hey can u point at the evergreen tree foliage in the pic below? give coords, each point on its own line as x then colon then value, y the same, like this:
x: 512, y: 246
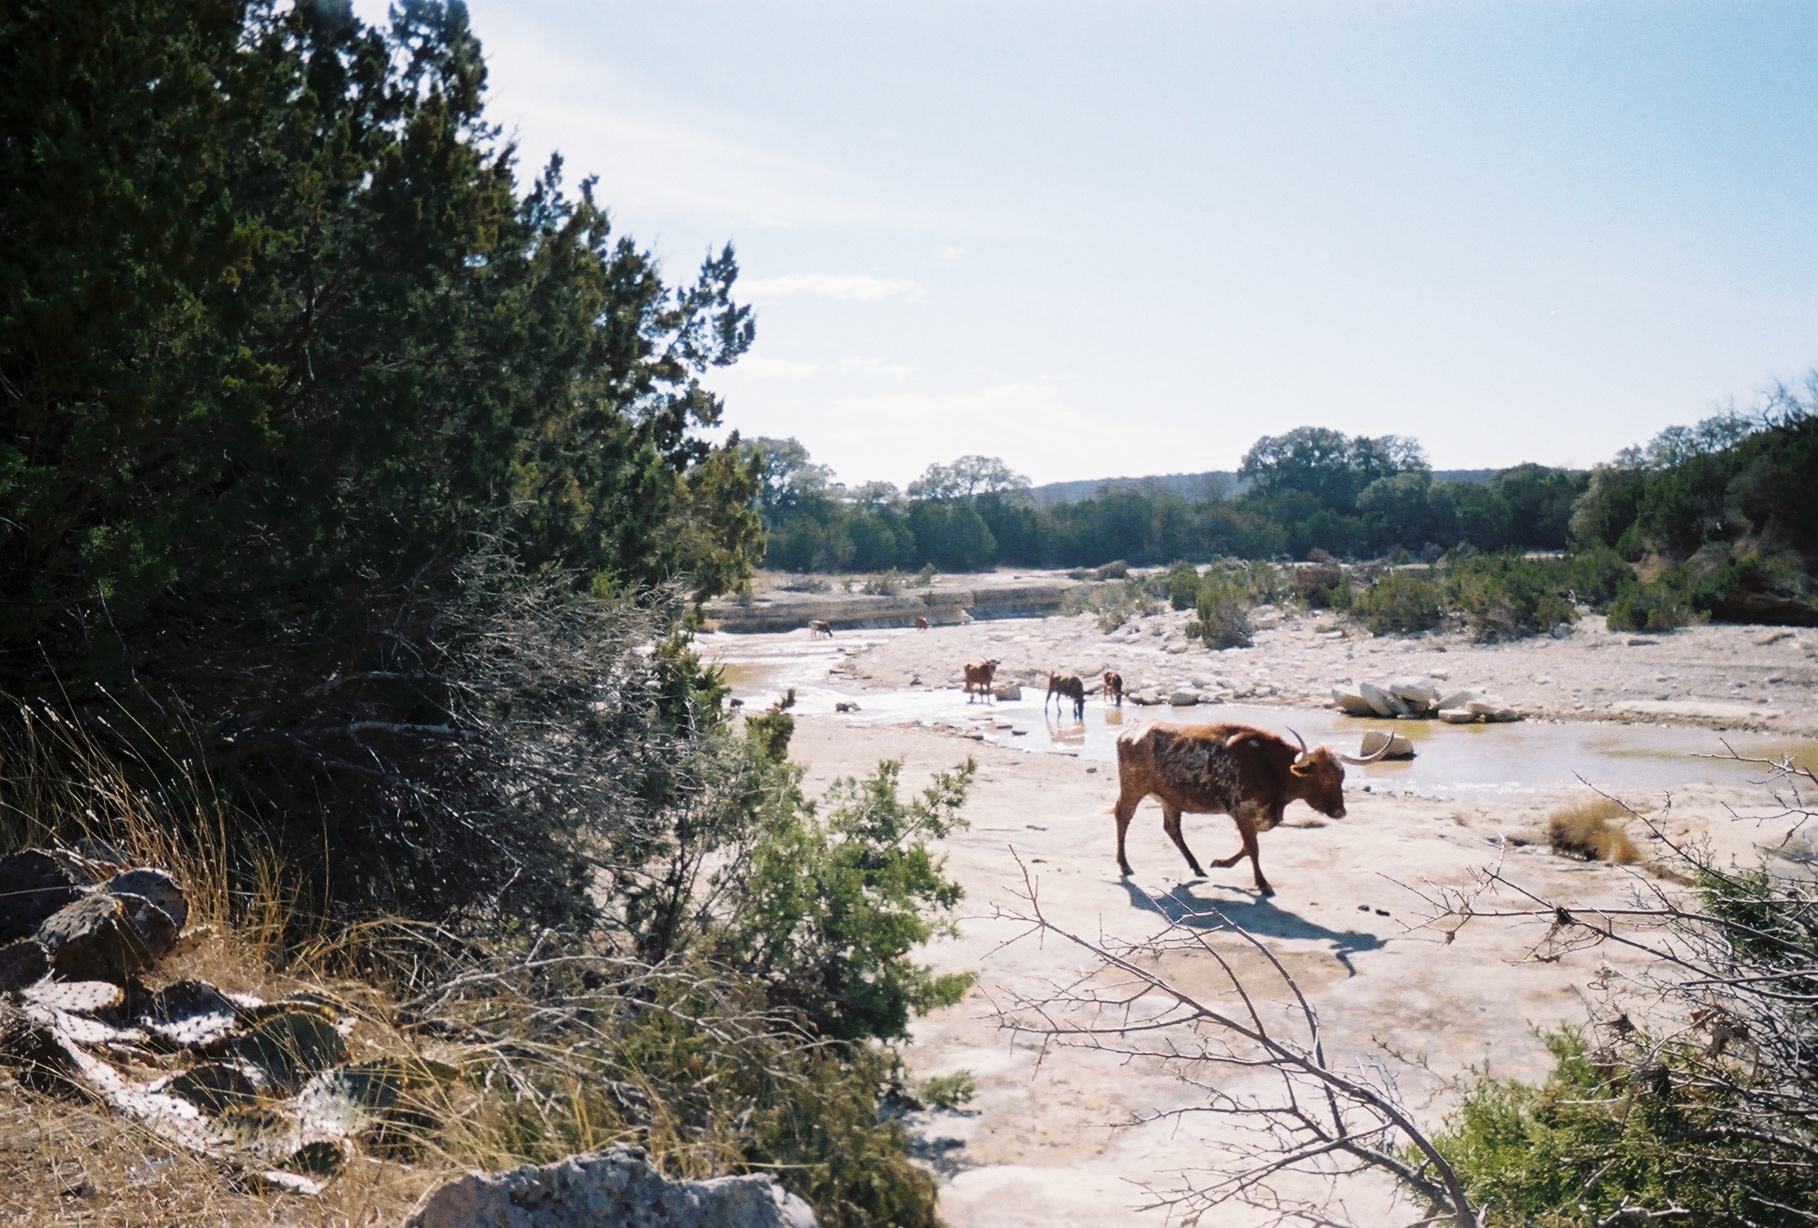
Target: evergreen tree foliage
x: 281, y: 348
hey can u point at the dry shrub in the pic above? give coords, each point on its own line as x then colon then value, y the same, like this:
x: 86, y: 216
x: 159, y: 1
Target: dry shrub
x: 1589, y: 831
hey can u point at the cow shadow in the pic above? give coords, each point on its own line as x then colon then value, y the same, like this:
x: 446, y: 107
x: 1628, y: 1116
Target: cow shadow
x: 1256, y: 915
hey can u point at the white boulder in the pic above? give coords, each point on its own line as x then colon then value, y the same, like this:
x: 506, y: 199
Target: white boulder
x: 617, y: 1187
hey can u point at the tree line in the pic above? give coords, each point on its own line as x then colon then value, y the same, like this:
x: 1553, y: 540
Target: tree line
x: 1309, y: 489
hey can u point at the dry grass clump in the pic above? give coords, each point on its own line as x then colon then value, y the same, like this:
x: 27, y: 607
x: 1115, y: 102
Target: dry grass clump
x: 1589, y: 830
x: 65, y: 1156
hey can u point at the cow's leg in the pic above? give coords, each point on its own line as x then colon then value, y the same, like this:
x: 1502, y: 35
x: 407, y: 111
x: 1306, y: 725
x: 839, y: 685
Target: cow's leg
x: 1124, y: 810
x: 1250, y: 847
x: 1246, y: 827
x: 1171, y: 825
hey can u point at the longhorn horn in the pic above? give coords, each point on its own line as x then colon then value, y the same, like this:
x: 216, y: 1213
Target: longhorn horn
x: 1370, y: 758
x: 1305, y: 754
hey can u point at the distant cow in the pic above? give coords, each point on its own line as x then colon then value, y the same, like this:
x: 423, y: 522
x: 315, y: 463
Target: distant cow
x: 978, y: 678
x: 921, y: 624
x: 820, y: 627
x: 1114, y: 687
x: 1070, y: 687
x: 1246, y: 773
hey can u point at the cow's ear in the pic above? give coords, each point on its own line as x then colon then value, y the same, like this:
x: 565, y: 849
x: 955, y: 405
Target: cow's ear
x: 1299, y: 768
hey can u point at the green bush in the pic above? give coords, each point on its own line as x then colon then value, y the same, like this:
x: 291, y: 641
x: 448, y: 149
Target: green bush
x: 885, y: 584
x: 1342, y: 596
x: 949, y: 1091
x: 1402, y: 601
x: 1268, y: 583
x: 1507, y: 595
x: 1573, y: 1151
x: 1594, y: 574
x: 1315, y: 580
x: 1183, y: 586
x: 1115, y: 604
x: 1703, y: 1111
x: 832, y: 908
x: 1223, y: 609
x: 1653, y: 605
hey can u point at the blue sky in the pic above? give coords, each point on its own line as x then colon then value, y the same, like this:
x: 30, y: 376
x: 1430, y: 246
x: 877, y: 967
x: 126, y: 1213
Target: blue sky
x: 1123, y: 238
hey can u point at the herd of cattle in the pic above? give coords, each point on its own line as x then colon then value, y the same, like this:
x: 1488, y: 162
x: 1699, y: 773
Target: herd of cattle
x: 1237, y: 770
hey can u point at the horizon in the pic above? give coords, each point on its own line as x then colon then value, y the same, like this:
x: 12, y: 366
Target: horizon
x: 1123, y: 241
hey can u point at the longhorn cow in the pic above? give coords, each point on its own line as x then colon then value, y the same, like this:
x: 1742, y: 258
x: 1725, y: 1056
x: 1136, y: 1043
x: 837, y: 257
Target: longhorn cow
x: 1249, y: 774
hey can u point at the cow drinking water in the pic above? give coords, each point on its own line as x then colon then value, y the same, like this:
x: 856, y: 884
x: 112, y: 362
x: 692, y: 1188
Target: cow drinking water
x: 1114, y: 687
x: 1247, y: 773
x: 1068, y: 686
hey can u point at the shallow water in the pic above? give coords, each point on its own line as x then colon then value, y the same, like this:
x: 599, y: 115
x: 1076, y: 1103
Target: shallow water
x: 1450, y: 760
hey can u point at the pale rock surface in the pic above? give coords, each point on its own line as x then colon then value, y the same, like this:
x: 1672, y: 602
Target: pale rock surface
x: 617, y: 1187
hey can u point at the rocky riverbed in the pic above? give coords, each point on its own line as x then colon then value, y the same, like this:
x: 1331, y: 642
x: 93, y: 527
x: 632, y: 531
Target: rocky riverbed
x: 1071, y: 1137
x: 1721, y: 676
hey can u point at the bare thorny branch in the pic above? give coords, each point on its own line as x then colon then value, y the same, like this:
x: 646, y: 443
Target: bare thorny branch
x: 1726, y: 987
x: 1318, y: 1121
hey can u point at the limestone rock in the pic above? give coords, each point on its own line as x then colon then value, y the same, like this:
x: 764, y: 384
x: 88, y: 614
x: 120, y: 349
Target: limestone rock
x: 1376, y: 739
x: 1381, y: 702
x: 1420, y: 696
x: 617, y: 1187
x: 1008, y: 691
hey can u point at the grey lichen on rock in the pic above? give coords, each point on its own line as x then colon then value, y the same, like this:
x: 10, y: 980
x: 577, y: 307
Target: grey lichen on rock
x: 617, y: 1187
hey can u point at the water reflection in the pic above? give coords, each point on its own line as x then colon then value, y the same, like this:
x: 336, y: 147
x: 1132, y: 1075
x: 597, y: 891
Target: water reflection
x: 1257, y: 915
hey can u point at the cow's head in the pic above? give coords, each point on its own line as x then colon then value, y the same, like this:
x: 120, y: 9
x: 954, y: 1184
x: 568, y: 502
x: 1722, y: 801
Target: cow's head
x: 1321, y: 776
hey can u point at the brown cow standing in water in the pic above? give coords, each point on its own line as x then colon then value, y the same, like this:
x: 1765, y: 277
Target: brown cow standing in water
x: 1070, y: 687
x: 979, y: 675
x: 1247, y: 773
x: 1114, y: 687
x: 819, y: 627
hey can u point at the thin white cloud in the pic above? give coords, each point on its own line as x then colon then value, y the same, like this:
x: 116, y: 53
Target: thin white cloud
x: 777, y: 368
x: 850, y: 287
x: 874, y: 366
x: 896, y: 436
x: 949, y: 255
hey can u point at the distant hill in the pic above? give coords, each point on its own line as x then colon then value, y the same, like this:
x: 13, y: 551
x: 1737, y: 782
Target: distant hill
x: 1194, y: 486
x: 1215, y: 483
